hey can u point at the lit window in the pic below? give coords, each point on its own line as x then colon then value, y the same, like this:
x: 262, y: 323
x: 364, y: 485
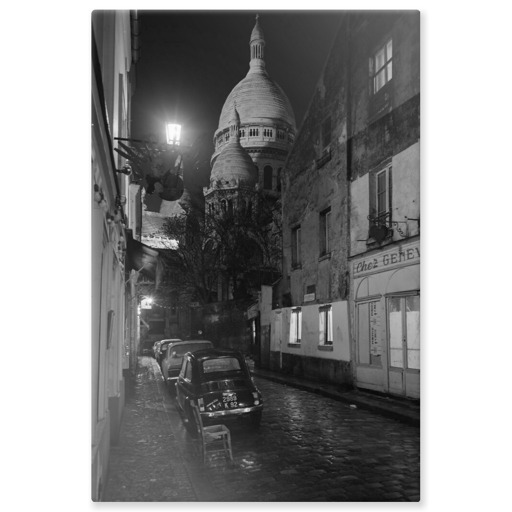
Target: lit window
x: 325, y: 232
x: 296, y: 256
x: 381, y: 66
x: 295, y: 325
x: 325, y: 325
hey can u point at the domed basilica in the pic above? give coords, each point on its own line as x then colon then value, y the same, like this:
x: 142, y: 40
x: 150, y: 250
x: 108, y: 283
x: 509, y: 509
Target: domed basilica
x: 256, y: 131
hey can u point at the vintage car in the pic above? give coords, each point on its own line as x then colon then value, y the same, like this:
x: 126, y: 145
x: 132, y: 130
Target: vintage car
x: 162, y: 347
x: 173, y: 357
x: 220, y: 384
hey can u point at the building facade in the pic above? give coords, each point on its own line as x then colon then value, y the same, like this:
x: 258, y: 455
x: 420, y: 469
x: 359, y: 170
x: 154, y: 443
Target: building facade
x: 348, y: 305
x: 385, y: 205
x: 115, y: 210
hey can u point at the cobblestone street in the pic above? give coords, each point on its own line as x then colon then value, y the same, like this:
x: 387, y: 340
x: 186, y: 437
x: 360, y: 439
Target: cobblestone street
x: 308, y: 448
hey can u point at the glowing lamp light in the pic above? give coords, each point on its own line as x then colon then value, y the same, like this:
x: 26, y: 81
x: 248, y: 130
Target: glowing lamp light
x: 173, y: 132
x: 146, y: 303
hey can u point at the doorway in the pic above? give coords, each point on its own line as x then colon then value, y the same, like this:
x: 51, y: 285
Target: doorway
x: 403, y: 322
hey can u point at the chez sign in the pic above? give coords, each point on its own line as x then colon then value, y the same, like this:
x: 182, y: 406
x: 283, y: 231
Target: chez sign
x: 405, y: 255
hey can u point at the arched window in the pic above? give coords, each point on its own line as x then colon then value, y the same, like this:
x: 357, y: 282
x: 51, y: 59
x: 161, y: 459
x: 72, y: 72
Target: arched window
x: 267, y: 177
x: 278, y: 184
x: 230, y: 207
x: 223, y: 205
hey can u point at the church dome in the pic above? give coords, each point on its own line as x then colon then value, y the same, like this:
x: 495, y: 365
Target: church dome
x: 258, y: 98
x: 234, y: 163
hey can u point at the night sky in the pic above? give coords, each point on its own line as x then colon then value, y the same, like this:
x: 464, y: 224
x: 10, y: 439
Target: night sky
x: 190, y: 62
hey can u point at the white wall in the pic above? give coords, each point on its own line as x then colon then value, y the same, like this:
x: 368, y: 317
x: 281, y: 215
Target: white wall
x: 280, y: 335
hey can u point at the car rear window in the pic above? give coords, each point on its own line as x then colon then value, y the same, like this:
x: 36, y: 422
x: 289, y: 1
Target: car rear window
x: 181, y: 350
x: 223, y: 364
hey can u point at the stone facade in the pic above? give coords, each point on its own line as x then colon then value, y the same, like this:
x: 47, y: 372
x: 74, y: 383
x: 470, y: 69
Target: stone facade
x: 351, y: 186
x: 267, y: 123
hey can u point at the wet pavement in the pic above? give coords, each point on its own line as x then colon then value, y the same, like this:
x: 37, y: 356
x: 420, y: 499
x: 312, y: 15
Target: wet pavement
x: 309, y: 447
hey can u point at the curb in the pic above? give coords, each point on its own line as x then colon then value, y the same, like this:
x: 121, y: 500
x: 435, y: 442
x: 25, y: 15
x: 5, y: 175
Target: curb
x: 404, y: 416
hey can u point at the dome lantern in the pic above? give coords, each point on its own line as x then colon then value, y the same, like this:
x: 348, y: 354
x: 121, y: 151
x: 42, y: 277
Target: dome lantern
x: 257, y: 44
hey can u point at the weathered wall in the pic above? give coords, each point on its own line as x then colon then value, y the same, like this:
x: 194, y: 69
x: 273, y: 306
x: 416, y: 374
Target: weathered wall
x: 367, y: 130
x: 309, y: 188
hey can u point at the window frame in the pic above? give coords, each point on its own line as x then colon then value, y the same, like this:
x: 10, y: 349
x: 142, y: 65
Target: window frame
x: 325, y: 232
x: 295, y: 334
x: 268, y: 176
x: 296, y: 247
x: 377, y: 214
x: 386, y: 68
x: 326, y: 336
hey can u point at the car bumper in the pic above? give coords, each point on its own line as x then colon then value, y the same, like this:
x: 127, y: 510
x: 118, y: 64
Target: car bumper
x: 230, y: 413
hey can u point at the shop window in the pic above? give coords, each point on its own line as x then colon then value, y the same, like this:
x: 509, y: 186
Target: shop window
x: 381, y: 67
x: 296, y: 243
x: 325, y: 232
x: 267, y: 177
x: 296, y: 325
x: 369, y: 348
x: 404, y: 332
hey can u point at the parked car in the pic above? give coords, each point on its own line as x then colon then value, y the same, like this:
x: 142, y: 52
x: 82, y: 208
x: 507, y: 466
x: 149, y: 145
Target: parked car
x: 162, y: 347
x: 173, y: 358
x: 220, y: 383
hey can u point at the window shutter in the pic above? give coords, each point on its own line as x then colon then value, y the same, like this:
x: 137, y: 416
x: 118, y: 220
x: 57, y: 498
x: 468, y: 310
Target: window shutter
x: 390, y: 197
x: 298, y: 247
x: 327, y: 232
x: 373, y: 193
x: 330, y: 336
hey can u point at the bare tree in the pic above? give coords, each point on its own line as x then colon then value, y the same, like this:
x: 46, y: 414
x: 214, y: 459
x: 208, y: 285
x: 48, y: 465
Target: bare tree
x: 241, y: 243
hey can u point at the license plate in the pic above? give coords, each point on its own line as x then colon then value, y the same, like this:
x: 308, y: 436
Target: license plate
x: 230, y: 400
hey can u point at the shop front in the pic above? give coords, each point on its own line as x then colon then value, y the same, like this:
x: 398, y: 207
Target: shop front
x: 386, y: 319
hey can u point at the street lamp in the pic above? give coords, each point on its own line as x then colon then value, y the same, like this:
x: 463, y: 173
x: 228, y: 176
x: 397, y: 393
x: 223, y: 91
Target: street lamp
x: 173, y: 132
